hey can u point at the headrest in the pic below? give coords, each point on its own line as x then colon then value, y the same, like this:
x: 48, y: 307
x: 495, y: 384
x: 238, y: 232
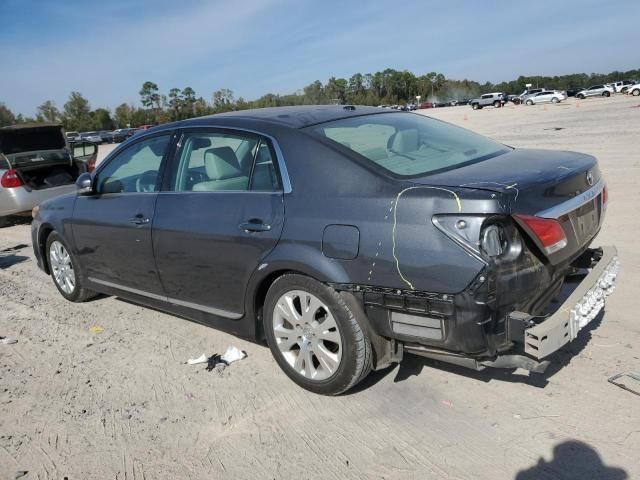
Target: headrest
x: 221, y: 163
x: 404, y: 141
x: 199, y: 142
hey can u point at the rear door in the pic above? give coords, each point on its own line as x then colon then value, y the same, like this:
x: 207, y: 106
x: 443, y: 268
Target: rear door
x: 219, y: 215
x: 112, y: 226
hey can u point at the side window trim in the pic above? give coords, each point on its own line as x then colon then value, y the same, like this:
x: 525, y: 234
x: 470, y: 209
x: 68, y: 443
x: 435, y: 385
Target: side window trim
x: 173, y: 160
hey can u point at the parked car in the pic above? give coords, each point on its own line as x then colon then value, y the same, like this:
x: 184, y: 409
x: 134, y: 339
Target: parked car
x: 621, y: 85
x: 393, y: 233
x: 92, y: 137
x: 411, y: 107
x: 106, y: 136
x: 425, y: 105
x: 72, y: 137
x: 633, y: 89
x: 36, y: 164
x: 526, y: 94
x: 497, y: 99
x: 546, y: 96
x: 595, y: 91
x: 121, y: 134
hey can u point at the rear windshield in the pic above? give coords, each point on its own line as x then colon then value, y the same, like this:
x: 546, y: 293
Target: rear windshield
x: 409, y: 145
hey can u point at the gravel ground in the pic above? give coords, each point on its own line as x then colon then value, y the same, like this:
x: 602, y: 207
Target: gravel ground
x: 79, y: 402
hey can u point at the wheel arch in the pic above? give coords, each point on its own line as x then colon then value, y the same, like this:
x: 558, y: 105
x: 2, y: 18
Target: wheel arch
x: 43, y: 234
x: 288, y: 259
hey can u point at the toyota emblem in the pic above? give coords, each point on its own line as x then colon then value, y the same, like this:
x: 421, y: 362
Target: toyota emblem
x: 590, y: 178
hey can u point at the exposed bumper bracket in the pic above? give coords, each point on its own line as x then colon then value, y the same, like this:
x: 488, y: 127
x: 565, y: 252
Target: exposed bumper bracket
x: 582, y: 306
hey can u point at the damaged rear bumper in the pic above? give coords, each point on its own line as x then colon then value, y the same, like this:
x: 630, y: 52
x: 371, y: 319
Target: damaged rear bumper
x: 578, y: 310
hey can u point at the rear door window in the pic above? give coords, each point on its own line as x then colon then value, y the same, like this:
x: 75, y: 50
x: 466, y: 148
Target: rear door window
x: 223, y: 161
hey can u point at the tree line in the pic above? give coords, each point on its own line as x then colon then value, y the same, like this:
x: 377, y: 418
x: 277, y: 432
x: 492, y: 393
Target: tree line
x: 386, y: 87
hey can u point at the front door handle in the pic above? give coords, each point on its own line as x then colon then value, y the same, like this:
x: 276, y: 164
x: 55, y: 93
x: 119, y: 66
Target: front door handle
x: 139, y: 219
x: 255, y: 225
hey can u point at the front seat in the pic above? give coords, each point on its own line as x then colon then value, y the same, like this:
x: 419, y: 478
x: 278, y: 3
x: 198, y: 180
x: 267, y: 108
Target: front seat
x: 223, y: 169
x: 404, y: 141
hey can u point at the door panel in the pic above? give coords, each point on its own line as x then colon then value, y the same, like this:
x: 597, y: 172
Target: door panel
x: 220, y: 215
x: 112, y: 225
x: 112, y: 234
x: 204, y: 256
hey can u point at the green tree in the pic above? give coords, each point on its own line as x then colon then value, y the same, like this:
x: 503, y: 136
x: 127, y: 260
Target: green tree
x: 6, y: 116
x: 176, y: 103
x: 102, y: 119
x: 149, y: 96
x: 77, y: 112
x: 223, y: 100
x: 48, y: 112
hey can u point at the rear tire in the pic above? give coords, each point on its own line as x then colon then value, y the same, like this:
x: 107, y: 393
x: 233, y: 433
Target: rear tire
x: 475, y: 106
x: 580, y: 97
x: 529, y: 102
x: 65, y: 271
x: 635, y: 92
x: 314, y: 336
x: 555, y: 100
x: 496, y: 104
x: 606, y: 94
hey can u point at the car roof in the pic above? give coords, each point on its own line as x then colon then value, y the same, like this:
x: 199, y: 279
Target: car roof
x: 293, y: 117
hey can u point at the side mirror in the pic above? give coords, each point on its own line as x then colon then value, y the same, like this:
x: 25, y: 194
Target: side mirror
x: 84, y: 183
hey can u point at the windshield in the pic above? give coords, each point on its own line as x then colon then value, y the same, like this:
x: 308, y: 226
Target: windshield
x: 408, y: 144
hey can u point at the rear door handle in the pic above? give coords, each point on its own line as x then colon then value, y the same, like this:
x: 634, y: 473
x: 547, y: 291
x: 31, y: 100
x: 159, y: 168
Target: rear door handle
x: 255, y: 225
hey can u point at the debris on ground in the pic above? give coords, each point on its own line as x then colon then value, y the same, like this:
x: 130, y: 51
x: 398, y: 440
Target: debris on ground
x: 20, y: 474
x: 219, y: 362
x: 96, y: 329
x: 627, y: 381
x: 7, y: 340
x: 201, y: 359
x: 233, y: 354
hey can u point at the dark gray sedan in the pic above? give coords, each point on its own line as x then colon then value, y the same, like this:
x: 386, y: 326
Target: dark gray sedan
x: 344, y: 236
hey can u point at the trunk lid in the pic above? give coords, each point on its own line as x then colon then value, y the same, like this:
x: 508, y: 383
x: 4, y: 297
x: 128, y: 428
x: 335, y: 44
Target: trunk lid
x: 566, y: 186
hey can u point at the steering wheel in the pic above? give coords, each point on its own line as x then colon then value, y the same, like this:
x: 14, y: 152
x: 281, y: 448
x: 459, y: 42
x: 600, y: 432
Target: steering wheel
x: 146, y: 182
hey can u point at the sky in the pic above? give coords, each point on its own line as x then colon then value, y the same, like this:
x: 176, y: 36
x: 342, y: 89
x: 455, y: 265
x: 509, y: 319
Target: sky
x: 107, y: 49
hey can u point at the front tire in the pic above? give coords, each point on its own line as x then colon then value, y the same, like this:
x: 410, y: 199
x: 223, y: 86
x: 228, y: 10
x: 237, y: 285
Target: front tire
x: 529, y: 102
x: 580, y: 97
x: 496, y: 104
x: 555, y: 100
x: 606, y: 94
x: 65, y: 270
x: 635, y: 92
x: 314, y: 336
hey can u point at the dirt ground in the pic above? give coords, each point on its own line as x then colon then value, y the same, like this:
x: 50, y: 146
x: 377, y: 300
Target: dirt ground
x: 80, y: 403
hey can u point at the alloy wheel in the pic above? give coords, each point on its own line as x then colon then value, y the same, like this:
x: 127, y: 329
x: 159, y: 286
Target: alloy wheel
x: 62, y: 267
x: 307, y: 335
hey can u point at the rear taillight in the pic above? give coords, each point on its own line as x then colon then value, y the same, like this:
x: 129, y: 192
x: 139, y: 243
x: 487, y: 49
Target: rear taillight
x: 91, y: 165
x: 10, y: 179
x: 604, y: 196
x: 548, y: 231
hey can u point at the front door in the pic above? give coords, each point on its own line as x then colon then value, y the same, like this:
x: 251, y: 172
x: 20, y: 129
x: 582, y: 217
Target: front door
x: 220, y: 213
x: 112, y: 225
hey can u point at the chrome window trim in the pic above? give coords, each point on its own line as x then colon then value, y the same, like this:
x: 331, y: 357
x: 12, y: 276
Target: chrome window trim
x: 174, y: 301
x: 572, y: 204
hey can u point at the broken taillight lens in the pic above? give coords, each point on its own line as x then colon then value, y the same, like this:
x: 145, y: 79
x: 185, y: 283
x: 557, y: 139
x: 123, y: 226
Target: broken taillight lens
x: 605, y: 195
x: 547, y: 230
x: 10, y: 179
